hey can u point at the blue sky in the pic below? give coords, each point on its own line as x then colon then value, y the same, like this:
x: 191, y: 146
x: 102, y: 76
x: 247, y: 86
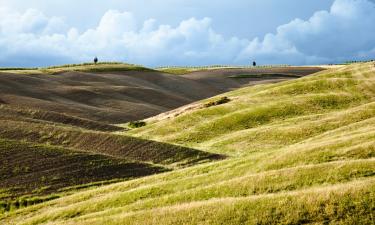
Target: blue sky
x: 186, y: 32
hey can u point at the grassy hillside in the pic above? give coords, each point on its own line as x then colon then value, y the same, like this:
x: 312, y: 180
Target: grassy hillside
x: 302, y: 152
x: 272, y: 116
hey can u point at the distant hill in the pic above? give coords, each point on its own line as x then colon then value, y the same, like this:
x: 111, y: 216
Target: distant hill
x: 118, y: 93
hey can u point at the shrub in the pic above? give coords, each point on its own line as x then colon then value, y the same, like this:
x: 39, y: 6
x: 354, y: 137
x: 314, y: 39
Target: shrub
x: 221, y: 101
x: 137, y: 124
x: 7, y: 206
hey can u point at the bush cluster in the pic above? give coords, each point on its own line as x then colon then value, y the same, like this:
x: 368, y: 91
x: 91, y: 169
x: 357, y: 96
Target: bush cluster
x: 24, y: 202
x: 221, y: 101
x: 137, y: 124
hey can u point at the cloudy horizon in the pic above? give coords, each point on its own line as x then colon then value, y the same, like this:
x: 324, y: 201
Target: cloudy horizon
x: 335, y: 31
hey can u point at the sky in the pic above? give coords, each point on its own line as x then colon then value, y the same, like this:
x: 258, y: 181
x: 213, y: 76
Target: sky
x: 155, y: 33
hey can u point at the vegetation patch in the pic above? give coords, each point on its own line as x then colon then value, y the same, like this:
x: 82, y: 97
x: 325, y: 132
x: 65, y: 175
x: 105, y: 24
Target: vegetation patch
x: 220, y: 101
x: 137, y: 124
x: 23, y: 202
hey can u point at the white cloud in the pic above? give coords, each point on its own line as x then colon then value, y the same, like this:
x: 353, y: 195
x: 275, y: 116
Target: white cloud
x: 31, y: 38
x: 31, y: 21
x: 345, y: 32
x: 115, y: 23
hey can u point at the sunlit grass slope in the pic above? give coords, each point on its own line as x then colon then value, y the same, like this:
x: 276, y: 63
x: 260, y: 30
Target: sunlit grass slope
x: 302, y: 152
x: 267, y: 117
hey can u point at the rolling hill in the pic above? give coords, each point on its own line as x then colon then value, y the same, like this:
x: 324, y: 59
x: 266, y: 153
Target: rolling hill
x: 117, y: 93
x: 299, y: 152
x: 56, y: 132
x: 45, y: 153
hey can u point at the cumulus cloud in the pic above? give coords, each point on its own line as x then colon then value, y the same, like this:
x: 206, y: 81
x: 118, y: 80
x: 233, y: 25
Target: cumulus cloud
x: 31, y: 21
x: 31, y: 38
x: 345, y: 32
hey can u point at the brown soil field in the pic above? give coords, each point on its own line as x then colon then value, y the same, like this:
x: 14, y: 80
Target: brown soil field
x: 119, y: 97
x: 39, y: 158
x: 118, y: 146
x: 35, y: 170
x: 222, y: 79
x: 17, y: 114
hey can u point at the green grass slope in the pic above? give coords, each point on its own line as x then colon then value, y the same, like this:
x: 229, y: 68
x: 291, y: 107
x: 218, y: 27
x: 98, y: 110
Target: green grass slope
x: 302, y: 152
x: 272, y: 116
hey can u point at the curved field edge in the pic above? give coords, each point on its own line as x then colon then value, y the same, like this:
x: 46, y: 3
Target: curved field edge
x: 123, y: 147
x: 29, y: 171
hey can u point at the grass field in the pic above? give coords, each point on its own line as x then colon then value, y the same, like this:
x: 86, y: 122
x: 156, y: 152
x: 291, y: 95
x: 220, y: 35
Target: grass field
x: 257, y: 115
x: 299, y: 152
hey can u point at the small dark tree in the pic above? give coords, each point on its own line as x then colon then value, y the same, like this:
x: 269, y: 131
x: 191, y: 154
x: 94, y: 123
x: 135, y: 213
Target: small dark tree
x: 254, y: 63
x: 96, y: 60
